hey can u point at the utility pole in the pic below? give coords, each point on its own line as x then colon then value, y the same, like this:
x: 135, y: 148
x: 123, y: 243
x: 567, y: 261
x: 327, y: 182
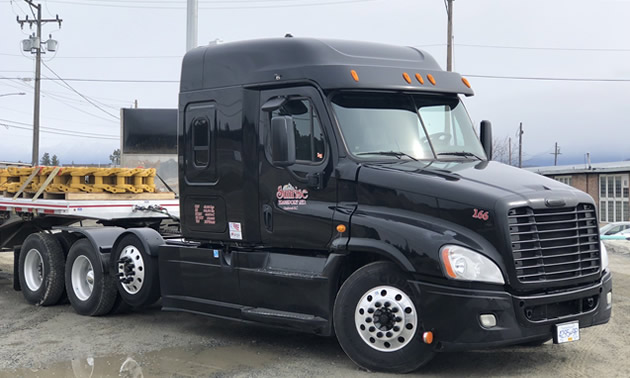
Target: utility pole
x: 449, y: 41
x: 510, y: 150
x: 555, y: 153
x: 192, y: 11
x: 36, y: 44
x: 520, y: 145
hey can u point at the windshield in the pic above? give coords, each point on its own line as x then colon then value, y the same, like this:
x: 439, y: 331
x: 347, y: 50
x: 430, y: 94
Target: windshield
x: 396, y: 125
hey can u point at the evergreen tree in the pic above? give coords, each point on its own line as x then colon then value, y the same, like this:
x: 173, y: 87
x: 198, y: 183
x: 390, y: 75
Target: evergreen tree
x: 115, y: 157
x: 45, y: 159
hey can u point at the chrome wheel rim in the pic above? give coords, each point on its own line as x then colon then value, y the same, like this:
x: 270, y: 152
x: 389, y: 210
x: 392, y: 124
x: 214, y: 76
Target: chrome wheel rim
x: 82, y: 278
x: 33, y: 269
x: 131, y: 269
x: 386, y: 318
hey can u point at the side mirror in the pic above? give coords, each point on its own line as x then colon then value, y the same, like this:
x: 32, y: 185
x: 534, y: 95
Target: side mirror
x: 282, y: 141
x: 486, y: 138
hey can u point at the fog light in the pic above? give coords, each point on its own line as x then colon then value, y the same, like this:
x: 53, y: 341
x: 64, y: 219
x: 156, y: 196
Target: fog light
x: 488, y: 320
x: 609, y: 298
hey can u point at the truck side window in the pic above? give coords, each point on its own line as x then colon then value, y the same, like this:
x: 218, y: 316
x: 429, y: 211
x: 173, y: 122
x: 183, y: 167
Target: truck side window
x: 309, y: 137
x: 201, y: 142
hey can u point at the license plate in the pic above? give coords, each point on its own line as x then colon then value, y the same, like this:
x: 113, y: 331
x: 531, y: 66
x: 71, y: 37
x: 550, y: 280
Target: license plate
x: 567, y: 332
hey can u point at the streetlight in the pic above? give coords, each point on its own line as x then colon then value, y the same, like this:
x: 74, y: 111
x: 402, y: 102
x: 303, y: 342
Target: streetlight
x: 13, y: 94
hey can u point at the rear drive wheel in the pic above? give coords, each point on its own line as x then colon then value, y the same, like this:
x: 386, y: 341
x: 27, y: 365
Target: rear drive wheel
x: 65, y: 239
x: 90, y: 290
x: 377, y: 321
x: 137, y: 273
x: 41, y: 269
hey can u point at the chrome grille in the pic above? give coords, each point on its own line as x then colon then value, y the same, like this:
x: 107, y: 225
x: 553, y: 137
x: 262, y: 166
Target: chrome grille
x: 552, y: 245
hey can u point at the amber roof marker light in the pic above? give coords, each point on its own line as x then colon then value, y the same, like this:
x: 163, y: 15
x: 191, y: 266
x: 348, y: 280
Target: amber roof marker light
x: 431, y: 79
x: 406, y: 77
x: 355, y: 75
x: 466, y: 82
x: 420, y: 78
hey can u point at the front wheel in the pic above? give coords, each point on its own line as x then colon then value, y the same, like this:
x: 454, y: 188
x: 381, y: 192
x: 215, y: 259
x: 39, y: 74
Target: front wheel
x: 377, y: 322
x: 136, y: 271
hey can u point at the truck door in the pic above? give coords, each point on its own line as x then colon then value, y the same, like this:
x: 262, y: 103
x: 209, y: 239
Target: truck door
x: 297, y: 202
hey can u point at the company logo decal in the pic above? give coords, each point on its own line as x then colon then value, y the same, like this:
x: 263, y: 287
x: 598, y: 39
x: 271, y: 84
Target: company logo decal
x: 290, y: 198
x: 481, y: 214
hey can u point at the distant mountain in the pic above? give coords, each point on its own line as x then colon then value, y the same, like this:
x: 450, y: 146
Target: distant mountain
x: 544, y: 160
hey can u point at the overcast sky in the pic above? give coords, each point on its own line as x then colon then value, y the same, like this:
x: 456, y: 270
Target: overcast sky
x: 145, y: 40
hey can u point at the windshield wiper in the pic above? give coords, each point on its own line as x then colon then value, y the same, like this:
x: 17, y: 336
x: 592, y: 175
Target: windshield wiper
x: 396, y: 154
x: 461, y: 153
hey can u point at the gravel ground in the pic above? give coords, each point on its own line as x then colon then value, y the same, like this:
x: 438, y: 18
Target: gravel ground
x: 54, y: 341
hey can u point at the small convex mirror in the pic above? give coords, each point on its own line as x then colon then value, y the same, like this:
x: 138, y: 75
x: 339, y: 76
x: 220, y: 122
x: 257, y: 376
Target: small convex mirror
x: 282, y: 141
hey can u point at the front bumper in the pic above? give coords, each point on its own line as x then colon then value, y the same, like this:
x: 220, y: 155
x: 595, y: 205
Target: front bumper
x: 452, y: 314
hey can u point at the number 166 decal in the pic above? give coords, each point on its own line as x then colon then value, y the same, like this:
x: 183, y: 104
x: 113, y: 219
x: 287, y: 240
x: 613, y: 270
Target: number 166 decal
x: 480, y: 214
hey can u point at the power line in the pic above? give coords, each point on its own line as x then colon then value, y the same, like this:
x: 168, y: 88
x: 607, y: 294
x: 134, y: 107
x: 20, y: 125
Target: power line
x: 243, y: 7
x: 79, y: 93
x: 66, y: 97
x: 20, y: 81
x: 540, y: 78
x: 543, y: 48
x: 100, y: 80
x: 62, y: 130
x: 182, y: 1
x: 60, y: 119
x: 122, y: 57
x: 71, y: 98
x: 53, y: 130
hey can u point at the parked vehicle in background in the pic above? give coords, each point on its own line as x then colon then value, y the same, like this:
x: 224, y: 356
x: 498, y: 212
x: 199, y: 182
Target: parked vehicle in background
x: 614, y: 228
x: 623, y: 235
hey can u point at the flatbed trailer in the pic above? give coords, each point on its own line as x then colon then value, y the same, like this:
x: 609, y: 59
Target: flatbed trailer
x: 110, y: 210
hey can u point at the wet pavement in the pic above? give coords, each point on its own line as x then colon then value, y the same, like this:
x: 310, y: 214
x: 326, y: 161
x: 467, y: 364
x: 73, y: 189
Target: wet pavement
x: 194, y: 361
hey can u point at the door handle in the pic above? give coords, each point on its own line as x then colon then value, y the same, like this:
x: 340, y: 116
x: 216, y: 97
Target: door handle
x: 314, y: 180
x: 268, y: 217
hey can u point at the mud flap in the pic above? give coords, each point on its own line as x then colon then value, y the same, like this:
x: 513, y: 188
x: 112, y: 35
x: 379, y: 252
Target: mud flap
x: 16, y: 267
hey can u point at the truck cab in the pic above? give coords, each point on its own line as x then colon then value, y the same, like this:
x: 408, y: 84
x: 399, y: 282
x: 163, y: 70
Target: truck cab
x: 341, y: 188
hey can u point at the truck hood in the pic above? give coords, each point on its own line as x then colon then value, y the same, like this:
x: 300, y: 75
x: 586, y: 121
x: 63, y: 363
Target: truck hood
x: 472, y: 182
x: 471, y: 195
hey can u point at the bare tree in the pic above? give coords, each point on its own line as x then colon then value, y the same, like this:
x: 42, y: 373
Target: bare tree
x: 501, y: 151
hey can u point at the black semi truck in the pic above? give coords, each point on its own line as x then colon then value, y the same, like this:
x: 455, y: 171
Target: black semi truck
x: 340, y: 188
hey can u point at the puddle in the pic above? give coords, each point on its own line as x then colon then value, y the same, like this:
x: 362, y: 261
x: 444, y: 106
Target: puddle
x: 195, y: 361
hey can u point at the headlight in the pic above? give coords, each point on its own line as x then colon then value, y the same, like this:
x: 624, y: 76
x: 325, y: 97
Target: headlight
x: 463, y: 264
x: 604, y: 253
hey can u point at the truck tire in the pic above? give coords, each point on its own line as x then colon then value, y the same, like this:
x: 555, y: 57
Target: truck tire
x: 41, y: 269
x: 90, y: 290
x: 137, y: 273
x: 65, y: 239
x: 377, y: 323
